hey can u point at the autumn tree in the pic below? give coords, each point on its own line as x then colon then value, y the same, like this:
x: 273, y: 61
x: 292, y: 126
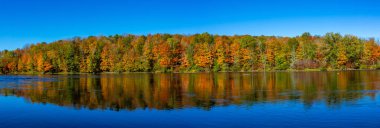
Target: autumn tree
x: 271, y: 48
x: 198, y: 52
x: 247, y: 44
x: 354, y: 49
x: 93, y: 60
x: 282, y: 55
x: 203, y: 56
x: 331, y: 48
x: 342, y: 58
x: 371, y: 54
x: 162, y: 55
x: 221, y: 50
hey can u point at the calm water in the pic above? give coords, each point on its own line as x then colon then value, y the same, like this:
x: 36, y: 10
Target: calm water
x: 282, y: 99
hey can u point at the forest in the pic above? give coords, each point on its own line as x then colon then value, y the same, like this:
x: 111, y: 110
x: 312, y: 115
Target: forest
x: 193, y: 53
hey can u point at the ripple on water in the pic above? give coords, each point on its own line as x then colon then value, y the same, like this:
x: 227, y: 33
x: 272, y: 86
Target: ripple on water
x: 16, y: 81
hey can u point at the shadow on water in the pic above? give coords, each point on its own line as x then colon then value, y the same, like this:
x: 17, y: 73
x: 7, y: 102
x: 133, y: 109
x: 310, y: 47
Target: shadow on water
x: 193, y: 90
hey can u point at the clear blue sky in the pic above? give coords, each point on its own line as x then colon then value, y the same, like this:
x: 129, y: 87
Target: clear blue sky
x: 30, y: 21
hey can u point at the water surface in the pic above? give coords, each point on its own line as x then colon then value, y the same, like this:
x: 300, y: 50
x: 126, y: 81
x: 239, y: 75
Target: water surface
x: 277, y: 99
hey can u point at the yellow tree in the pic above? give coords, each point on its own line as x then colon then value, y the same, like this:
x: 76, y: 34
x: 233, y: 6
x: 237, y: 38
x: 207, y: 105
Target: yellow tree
x: 40, y: 62
x: 234, y: 59
x: 220, y: 52
x: 203, y: 56
x: 23, y: 63
x: 161, y: 54
x: 176, y: 50
x: 371, y: 53
x: 341, y: 56
x: 245, y: 58
x: 270, y: 51
x: 107, y: 57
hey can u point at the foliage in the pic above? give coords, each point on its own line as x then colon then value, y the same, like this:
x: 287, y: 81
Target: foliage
x: 191, y: 53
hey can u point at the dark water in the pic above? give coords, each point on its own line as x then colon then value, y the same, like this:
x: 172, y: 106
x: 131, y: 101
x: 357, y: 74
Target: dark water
x: 282, y: 99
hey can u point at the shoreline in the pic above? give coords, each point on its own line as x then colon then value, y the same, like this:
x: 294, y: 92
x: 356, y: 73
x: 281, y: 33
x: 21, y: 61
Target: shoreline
x: 255, y: 71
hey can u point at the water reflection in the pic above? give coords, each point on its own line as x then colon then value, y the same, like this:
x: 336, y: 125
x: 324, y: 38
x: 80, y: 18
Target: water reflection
x: 201, y: 90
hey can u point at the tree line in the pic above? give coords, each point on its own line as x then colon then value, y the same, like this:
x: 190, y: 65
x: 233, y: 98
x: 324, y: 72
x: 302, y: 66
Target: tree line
x: 193, y: 53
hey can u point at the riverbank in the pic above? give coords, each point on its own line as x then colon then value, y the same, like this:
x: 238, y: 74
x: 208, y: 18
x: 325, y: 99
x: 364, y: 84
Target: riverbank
x: 290, y: 70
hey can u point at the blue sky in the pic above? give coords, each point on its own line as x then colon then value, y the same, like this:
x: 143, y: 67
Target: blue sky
x: 31, y: 21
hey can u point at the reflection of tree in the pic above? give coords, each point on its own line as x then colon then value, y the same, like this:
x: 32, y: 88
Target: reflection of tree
x: 203, y: 90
